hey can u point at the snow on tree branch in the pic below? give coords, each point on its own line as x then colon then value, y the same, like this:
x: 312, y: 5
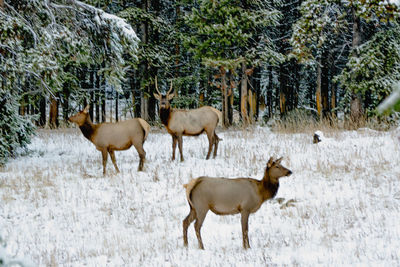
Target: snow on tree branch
x: 102, y: 18
x: 391, y: 100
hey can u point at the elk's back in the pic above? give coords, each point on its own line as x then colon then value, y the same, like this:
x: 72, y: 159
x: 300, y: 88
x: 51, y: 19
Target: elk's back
x: 226, y: 196
x: 120, y: 135
x: 194, y: 121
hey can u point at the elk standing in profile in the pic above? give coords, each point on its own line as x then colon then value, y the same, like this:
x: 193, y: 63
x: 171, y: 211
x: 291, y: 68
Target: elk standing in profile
x: 191, y: 122
x: 225, y: 196
x: 108, y: 137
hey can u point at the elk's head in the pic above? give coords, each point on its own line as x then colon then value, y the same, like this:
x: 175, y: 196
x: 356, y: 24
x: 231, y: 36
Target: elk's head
x: 80, y: 117
x: 163, y: 99
x: 275, y: 170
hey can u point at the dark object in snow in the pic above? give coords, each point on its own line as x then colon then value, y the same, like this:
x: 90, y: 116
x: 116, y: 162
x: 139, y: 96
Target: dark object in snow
x: 317, y: 137
x: 225, y: 196
x: 108, y: 137
x: 191, y: 122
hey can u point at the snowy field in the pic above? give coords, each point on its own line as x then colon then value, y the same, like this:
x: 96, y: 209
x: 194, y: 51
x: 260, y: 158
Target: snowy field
x: 57, y: 209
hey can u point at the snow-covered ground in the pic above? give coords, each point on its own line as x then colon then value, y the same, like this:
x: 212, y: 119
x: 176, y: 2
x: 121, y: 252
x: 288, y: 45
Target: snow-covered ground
x: 57, y: 209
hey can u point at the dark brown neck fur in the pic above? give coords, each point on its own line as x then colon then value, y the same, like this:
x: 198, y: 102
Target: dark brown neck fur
x: 88, y: 128
x: 165, y: 114
x: 270, y: 189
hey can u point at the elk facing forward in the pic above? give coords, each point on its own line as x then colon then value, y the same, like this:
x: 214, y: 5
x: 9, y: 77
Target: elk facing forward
x: 108, y: 137
x: 225, y: 196
x: 191, y: 122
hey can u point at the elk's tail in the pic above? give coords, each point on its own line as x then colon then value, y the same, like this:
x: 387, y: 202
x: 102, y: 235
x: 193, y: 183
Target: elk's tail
x: 189, y: 187
x: 219, y: 114
x: 146, y: 128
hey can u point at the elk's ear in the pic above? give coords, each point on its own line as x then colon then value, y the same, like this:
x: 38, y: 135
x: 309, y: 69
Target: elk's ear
x: 170, y: 96
x: 270, y: 162
x: 157, y: 96
x: 86, y: 110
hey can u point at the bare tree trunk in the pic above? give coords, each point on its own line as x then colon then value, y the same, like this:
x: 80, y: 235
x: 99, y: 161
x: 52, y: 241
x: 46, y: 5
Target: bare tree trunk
x: 224, y: 90
x: 103, y: 105
x: 244, y: 99
x: 333, y: 100
x: 144, y: 101
x: 53, y: 117
x: 356, y: 109
x: 91, y: 94
x: 116, y: 107
x: 283, y: 89
x: 325, y: 91
x: 144, y: 68
x: 232, y: 86
x: 201, y: 99
x: 42, y: 111
x: 318, y: 90
x: 1, y: 4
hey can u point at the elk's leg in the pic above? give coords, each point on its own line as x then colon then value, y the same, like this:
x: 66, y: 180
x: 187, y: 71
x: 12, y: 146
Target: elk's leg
x: 210, y: 137
x: 216, y: 141
x: 174, y: 139
x: 142, y: 155
x: 112, y: 156
x: 104, y: 154
x: 180, y: 141
x: 245, y: 229
x: 201, y: 215
x: 186, y: 222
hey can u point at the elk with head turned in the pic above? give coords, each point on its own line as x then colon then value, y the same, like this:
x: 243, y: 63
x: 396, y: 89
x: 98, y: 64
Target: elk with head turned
x: 108, y: 137
x: 225, y: 196
x: 191, y: 122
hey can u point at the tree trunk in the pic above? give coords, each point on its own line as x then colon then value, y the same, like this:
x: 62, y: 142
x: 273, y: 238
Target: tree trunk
x: 356, y: 109
x: 270, y: 102
x: 144, y: 67
x: 230, y: 97
x: 224, y: 90
x: 318, y: 90
x: 97, y: 101
x: 116, y: 107
x: 325, y: 90
x: 144, y: 100
x: 53, y: 117
x: 257, y: 86
x: 42, y: 111
x: 333, y: 100
x: 103, y: 105
x: 243, y: 98
x: 284, y: 76
x: 177, y: 44
x: 91, y: 94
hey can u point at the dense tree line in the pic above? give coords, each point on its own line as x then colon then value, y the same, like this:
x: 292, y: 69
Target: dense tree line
x: 276, y: 56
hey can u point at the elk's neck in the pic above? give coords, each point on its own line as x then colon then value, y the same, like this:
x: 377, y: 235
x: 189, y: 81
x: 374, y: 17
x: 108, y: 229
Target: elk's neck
x: 88, y: 129
x: 268, y: 189
x: 165, y: 113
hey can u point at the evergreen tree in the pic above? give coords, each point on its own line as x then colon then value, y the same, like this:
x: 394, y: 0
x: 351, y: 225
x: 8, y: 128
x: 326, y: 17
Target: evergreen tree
x: 226, y: 35
x: 322, y: 35
x: 42, y: 43
x: 15, y: 130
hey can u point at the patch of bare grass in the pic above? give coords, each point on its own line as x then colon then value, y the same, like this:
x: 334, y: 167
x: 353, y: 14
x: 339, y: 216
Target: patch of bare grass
x: 303, y: 121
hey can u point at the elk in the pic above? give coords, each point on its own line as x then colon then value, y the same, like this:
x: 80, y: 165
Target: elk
x: 191, y: 122
x: 225, y: 196
x: 108, y: 137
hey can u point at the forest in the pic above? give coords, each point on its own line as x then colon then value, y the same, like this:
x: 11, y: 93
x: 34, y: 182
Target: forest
x: 254, y: 60
x: 307, y: 89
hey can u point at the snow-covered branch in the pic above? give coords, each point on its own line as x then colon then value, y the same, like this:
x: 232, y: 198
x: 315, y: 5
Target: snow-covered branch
x: 391, y: 100
x: 102, y: 18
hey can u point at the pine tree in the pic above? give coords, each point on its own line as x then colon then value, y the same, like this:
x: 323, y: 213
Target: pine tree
x: 225, y: 36
x: 44, y: 44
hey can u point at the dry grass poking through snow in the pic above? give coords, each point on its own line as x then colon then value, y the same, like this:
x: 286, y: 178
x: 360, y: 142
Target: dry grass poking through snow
x: 57, y: 209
